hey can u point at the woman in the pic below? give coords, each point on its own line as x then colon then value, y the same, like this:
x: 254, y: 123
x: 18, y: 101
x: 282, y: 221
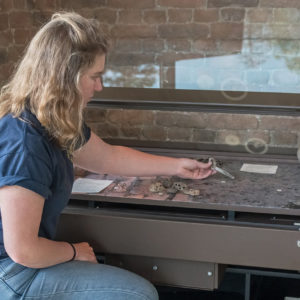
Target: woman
x: 42, y: 134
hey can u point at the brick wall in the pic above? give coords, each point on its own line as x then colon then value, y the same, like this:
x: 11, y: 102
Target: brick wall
x: 162, y: 32
x: 262, y: 131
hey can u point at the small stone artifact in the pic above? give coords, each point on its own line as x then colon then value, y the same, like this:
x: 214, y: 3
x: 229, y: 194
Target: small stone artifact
x: 172, y: 188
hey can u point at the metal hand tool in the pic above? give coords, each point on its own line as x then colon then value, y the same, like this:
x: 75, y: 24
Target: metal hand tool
x: 218, y: 169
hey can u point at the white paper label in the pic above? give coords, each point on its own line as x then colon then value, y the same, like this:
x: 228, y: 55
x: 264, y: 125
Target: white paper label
x: 90, y: 186
x: 263, y: 169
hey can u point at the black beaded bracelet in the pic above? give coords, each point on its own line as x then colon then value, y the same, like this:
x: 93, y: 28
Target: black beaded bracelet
x: 74, y: 251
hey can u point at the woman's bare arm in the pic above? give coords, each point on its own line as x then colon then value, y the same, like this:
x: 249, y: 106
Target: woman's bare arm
x: 100, y: 157
x: 21, y: 211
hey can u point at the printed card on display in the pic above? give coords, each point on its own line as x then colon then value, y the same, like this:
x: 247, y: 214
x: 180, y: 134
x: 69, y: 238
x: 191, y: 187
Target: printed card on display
x: 262, y: 169
x: 90, y: 186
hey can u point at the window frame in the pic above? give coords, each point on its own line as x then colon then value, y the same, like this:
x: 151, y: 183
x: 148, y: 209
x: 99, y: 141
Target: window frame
x: 197, y: 100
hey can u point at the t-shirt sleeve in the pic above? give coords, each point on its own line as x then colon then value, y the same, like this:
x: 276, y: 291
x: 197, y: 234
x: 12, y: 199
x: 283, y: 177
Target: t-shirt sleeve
x: 26, y: 170
x: 86, y: 136
x: 86, y: 132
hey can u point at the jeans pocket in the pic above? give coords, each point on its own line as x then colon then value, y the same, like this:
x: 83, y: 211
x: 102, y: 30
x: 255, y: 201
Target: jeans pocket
x: 3, y: 263
x: 16, y: 276
x: 11, y: 269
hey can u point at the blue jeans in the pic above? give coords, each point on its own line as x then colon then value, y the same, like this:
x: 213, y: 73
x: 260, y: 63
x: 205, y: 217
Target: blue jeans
x: 72, y: 280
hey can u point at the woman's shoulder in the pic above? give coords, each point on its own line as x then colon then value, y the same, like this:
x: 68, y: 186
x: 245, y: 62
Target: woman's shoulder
x: 11, y: 131
x: 20, y: 135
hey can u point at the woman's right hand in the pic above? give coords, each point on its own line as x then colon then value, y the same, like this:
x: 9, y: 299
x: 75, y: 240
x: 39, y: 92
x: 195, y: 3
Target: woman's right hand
x: 85, y: 252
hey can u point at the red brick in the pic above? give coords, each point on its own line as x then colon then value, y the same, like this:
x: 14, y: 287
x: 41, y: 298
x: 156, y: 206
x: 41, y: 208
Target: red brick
x: 233, y: 14
x: 205, y: 45
x: 136, y: 31
x: 131, y: 132
x: 130, y: 16
x: 237, y: 3
x: 258, y: 134
x: 182, y: 3
x: 179, y: 45
x: 155, y: 16
x: 14, y: 53
x: 181, y: 120
x: 3, y: 55
x: 4, y: 21
x: 206, y: 15
x: 130, y: 117
x: 179, y: 134
x: 131, y: 3
x: 115, y: 116
x: 203, y: 136
x: 169, y: 59
x: 6, y: 5
x: 253, y: 31
x: 86, y: 12
x: 179, y: 15
x: 240, y: 137
x: 190, y: 31
x: 227, y: 31
x: 41, y: 4
x: 286, y: 15
x: 282, y: 31
x: 280, y: 3
x: 40, y: 17
x: 154, y: 133
x: 20, y: 19
x: 6, y: 70
x: 128, y: 45
x: 77, y: 4
x: 230, y: 46
x: 138, y: 117
x: 6, y: 38
x: 230, y: 137
x: 259, y: 15
x: 231, y: 121
x: 131, y: 59
x: 281, y: 123
x: 22, y: 36
x: 107, y: 130
x: 166, y: 118
x: 284, y: 138
x: 19, y: 4
x: 192, y: 120
x: 94, y: 114
x: 105, y: 15
x: 153, y: 45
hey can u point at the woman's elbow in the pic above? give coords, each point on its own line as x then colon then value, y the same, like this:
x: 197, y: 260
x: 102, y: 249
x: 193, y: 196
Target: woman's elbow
x: 20, y: 256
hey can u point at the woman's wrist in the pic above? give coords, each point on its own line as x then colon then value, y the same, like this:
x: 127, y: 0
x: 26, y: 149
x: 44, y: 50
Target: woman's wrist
x: 74, y: 251
x: 180, y: 166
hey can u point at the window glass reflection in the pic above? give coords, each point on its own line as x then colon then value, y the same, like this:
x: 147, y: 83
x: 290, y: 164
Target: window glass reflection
x: 246, y: 71
x: 247, y: 46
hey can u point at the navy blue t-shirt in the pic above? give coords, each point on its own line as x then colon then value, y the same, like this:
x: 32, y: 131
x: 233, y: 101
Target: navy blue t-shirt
x: 29, y: 158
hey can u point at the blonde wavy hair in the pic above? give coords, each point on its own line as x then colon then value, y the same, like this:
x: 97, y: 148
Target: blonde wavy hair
x: 47, y: 78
